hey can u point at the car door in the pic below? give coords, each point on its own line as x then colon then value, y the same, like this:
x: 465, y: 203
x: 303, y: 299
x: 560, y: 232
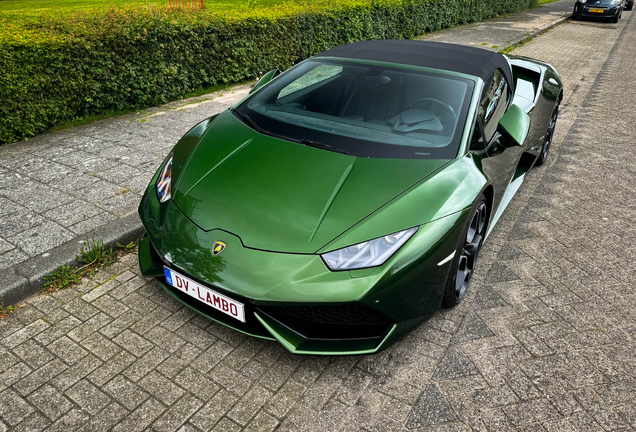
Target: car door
x: 497, y: 156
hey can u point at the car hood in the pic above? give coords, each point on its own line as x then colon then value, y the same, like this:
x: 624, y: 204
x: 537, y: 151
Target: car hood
x: 281, y: 196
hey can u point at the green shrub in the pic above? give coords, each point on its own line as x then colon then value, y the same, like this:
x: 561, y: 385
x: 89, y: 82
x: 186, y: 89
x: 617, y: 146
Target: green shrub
x: 58, y: 69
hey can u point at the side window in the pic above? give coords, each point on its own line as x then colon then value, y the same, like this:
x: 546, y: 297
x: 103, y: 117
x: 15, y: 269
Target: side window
x: 312, y: 77
x: 494, y: 102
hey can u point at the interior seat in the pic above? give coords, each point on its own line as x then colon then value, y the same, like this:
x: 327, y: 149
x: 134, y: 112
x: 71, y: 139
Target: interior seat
x: 374, y: 97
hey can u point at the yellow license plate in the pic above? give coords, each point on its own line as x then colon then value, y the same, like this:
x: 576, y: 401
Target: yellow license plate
x: 596, y: 10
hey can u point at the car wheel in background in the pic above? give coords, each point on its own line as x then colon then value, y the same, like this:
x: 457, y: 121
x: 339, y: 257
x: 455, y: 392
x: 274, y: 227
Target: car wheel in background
x: 549, y: 136
x: 466, y: 254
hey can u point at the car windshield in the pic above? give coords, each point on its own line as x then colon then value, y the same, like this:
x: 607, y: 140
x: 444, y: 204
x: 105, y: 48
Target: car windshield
x: 364, y: 110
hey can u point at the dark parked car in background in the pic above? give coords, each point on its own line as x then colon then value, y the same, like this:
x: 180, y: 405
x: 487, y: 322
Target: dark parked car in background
x: 602, y: 9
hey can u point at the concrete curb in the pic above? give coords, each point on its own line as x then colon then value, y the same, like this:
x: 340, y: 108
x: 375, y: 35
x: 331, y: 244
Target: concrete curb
x: 26, y: 278
x: 521, y: 41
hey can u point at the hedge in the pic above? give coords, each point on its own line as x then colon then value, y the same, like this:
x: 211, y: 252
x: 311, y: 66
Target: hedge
x: 59, y: 69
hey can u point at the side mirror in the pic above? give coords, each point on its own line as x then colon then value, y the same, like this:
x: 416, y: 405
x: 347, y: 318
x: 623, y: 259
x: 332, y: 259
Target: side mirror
x: 266, y: 78
x: 515, y: 124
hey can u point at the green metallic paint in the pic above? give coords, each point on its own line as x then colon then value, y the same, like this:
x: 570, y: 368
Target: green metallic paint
x: 282, y: 196
x: 266, y: 277
x: 449, y: 190
x: 516, y: 124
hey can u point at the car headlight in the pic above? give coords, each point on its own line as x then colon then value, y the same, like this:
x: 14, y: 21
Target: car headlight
x: 164, y: 181
x: 372, y: 253
x: 616, y: 2
x: 582, y: 1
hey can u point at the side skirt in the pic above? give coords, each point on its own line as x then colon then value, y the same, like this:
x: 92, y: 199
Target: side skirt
x: 525, y: 164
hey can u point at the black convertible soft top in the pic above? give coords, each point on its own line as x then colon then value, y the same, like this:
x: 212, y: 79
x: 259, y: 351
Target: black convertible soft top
x: 458, y: 58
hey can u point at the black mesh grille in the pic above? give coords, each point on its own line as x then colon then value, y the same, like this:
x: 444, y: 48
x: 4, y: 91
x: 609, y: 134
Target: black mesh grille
x: 330, y: 322
x: 334, y: 314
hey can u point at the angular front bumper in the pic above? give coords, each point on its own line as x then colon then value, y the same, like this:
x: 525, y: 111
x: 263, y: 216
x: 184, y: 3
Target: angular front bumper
x: 336, y: 329
x: 295, y: 298
x: 581, y: 11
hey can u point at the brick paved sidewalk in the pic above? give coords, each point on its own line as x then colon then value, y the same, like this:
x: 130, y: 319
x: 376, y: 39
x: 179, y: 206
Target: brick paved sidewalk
x: 60, y: 186
x: 499, y: 33
x: 544, y: 340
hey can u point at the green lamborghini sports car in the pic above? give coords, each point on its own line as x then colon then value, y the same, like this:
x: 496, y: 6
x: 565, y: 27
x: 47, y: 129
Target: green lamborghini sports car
x: 343, y: 201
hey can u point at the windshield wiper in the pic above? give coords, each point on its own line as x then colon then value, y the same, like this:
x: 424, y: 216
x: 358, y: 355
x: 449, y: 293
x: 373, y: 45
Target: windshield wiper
x: 306, y: 142
x: 249, y: 121
x: 324, y: 146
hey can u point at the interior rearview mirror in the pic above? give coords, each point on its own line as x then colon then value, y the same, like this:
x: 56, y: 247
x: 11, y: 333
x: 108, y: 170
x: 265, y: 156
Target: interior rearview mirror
x: 515, y: 124
x: 265, y: 79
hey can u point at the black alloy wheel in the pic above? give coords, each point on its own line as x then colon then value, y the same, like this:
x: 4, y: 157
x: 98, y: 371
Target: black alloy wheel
x: 549, y: 136
x: 466, y: 255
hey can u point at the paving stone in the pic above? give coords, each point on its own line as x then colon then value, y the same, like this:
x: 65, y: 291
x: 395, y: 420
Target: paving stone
x: 129, y: 394
x: 67, y: 350
x: 178, y: 360
x: 88, y: 397
x: 72, y: 213
x: 263, y: 423
x: 33, y: 353
x: 35, y: 422
x: 110, y: 306
x: 70, y: 421
x: 139, y: 419
x: 50, y: 402
x: 162, y: 389
x: 106, y: 419
x: 196, y: 383
x: 500, y: 273
x: 454, y: 365
x: 13, y: 408
x: 80, y: 309
x: 100, y: 291
x: 226, y: 425
x: 25, y: 333
x: 145, y: 364
x: 528, y: 412
x: 76, y: 372
x: 431, y: 409
x: 19, y: 220
x: 249, y: 405
x: 89, y: 327
x: 100, y: 346
x: 133, y: 342
x: 212, y: 412
x: 42, y: 237
x: 32, y: 380
x: 111, y: 368
x: 177, y: 414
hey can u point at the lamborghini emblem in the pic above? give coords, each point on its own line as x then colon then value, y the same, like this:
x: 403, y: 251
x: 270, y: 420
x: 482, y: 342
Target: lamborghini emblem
x: 219, y: 247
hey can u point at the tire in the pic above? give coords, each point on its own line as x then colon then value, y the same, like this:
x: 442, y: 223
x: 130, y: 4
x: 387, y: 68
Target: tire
x: 466, y: 254
x: 615, y: 19
x: 549, y: 136
x: 630, y: 6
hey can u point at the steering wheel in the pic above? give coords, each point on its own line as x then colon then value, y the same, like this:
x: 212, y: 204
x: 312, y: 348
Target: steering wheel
x: 447, y: 116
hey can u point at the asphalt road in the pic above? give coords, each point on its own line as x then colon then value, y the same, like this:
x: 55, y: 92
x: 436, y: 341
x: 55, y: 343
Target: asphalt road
x: 544, y: 340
